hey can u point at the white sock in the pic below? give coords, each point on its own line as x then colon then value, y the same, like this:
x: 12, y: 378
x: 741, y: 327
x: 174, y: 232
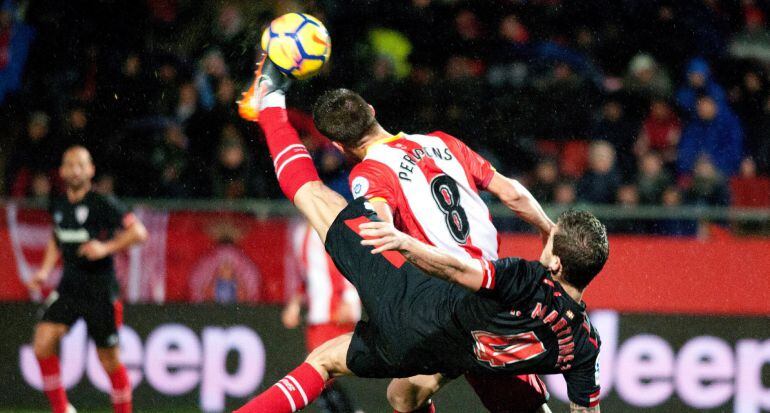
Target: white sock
x: 273, y: 99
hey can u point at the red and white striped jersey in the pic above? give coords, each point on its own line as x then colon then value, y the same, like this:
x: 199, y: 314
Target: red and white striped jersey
x: 324, y: 286
x: 432, y: 183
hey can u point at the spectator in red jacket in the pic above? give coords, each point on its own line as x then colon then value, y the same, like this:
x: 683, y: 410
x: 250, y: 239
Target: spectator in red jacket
x: 660, y: 132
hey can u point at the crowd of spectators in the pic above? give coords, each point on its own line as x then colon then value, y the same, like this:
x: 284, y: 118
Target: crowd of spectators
x: 633, y: 102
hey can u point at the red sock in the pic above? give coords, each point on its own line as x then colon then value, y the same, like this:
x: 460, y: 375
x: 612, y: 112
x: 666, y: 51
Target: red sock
x: 293, y: 164
x: 49, y: 369
x: 295, y: 391
x: 428, y: 408
x: 121, y: 390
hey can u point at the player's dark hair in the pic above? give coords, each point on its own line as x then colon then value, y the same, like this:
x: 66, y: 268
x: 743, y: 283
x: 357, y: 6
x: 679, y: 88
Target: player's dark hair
x: 343, y: 116
x: 581, y: 244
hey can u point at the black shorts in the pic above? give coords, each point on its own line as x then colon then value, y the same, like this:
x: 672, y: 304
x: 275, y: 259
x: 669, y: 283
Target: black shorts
x: 103, y: 315
x: 411, y: 329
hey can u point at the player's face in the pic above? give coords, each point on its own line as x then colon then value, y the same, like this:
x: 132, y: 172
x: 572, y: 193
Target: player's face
x: 76, y: 169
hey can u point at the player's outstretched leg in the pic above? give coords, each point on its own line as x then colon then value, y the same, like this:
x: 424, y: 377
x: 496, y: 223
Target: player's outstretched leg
x: 297, y: 176
x: 46, y: 342
x: 265, y: 102
x: 305, y: 383
x: 121, y: 387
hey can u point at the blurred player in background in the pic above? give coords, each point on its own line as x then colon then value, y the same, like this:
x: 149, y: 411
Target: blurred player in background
x: 428, y: 187
x: 332, y: 303
x: 88, y: 229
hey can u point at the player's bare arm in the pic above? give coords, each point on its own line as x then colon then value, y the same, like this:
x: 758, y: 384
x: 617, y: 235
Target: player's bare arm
x: 575, y: 408
x: 519, y: 200
x: 50, y: 257
x: 134, y: 233
x: 431, y: 260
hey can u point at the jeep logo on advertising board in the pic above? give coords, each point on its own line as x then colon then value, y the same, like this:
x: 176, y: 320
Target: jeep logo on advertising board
x: 182, y: 355
x: 706, y: 372
x: 173, y: 360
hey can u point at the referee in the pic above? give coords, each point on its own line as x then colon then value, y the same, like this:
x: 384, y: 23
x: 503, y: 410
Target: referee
x: 88, y: 229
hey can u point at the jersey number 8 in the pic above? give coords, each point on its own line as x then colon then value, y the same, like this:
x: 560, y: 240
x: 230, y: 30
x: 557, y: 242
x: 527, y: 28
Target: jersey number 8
x: 447, y: 197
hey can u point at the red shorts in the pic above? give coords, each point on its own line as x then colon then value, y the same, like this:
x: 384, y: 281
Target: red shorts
x: 317, y: 334
x: 509, y: 394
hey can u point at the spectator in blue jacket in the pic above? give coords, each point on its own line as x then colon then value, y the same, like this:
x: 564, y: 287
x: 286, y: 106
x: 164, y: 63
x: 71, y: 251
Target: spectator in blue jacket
x: 15, y: 40
x: 699, y: 83
x: 715, y: 132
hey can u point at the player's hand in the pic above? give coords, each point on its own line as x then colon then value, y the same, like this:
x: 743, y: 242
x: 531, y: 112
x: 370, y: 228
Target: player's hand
x: 290, y: 317
x: 383, y: 236
x: 93, y: 250
x: 38, y: 280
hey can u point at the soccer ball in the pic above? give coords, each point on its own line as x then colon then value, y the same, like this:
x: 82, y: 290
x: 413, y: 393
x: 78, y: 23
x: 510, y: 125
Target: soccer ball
x: 298, y: 44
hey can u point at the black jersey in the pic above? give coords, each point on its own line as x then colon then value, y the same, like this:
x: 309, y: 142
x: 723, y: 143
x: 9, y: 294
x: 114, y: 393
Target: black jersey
x: 540, y: 329
x: 95, y: 217
x: 523, y: 323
